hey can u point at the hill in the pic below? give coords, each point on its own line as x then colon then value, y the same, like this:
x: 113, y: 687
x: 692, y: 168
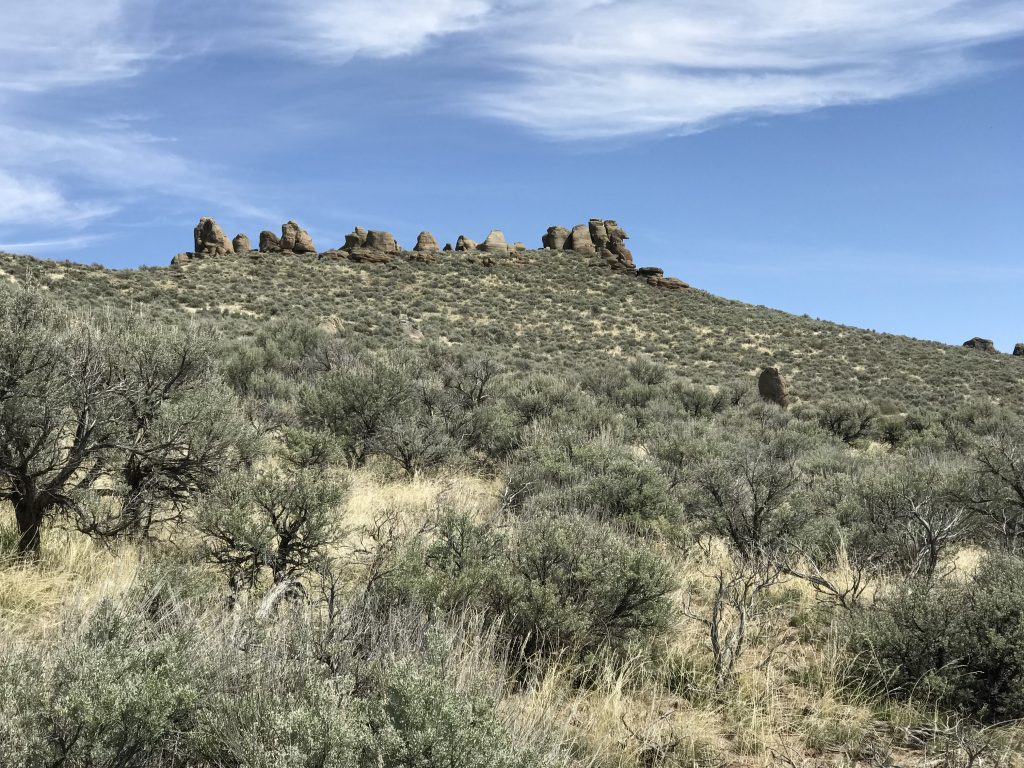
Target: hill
x: 495, y: 508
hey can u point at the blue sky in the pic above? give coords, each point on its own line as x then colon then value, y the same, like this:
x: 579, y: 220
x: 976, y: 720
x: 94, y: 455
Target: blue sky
x: 856, y: 160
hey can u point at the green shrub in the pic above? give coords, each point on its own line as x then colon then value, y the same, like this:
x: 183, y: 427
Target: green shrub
x: 959, y: 645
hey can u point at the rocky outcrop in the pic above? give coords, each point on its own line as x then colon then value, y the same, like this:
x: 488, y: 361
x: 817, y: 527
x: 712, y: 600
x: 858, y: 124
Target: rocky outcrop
x: 269, y: 242
x: 241, y: 243
x: 495, y: 244
x: 210, y: 239
x: 294, y: 239
x: 984, y: 345
x: 181, y: 258
x: 650, y: 272
x: 1018, y: 350
x: 555, y: 238
x: 579, y: 240
x: 357, y: 239
x: 426, y: 243
x: 448, y: 248
x: 668, y: 283
x: 379, y: 240
x: 465, y: 244
x: 772, y: 388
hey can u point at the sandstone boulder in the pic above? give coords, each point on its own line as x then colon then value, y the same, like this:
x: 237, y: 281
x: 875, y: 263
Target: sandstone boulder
x: 495, y: 243
x: 1018, y: 350
x: 269, y: 242
x: 241, y: 243
x: 465, y: 244
x: 579, y: 240
x: 668, y: 283
x: 210, y: 239
x: 651, y: 272
x: 984, y: 345
x: 598, y: 233
x: 181, y: 258
x: 295, y: 239
x: 519, y: 247
x: 379, y: 240
x: 426, y: 243
x: 448, y: 248
x: 555, y: 238
x: 772, y: 388
x: 357, y: 239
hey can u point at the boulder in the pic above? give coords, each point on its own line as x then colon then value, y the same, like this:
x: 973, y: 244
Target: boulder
x: 465, y: 244
x: 426, y: 243
x: 650, y: 272
x: 241, y: 243
x: 598, y: 233
x: 357, y: 239
x: 555, y: 238
x: 495, y: 243
x: 369, y: 256
x: 448, y: 248
x: 668, y: 283
x: 269, y: 242
x: 210, y: 239
x: 1018, y: 350
x: 984, y: 345
x: 519, y: 247
x: 181, y: 258
x: 295, y: 239
x: 579, y: 240
x: 772, y: 388
x: 378, y: 240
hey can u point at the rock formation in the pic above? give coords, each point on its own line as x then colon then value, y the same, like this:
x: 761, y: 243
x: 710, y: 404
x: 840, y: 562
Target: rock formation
x: 295, y: 239
x: 1018, y: 350
x: 984, y: 345
x: 357, y: 239
x: 181, y: 258
x: 669, y: 283
x: 210, y: 239
x: 426, y: 243
x: 379, y: 240
x: 555, y: 238
x: 241, y: 243
x: 650, y: 272
x: 465, y: 244
x: 772, y: 388
x: 269, y: 242
x: 448, y: 248
x: 579, y: 240
x: 495, y: 243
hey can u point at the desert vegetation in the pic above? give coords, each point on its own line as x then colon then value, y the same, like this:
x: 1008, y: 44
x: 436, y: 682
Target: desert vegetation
x: 279, y: 512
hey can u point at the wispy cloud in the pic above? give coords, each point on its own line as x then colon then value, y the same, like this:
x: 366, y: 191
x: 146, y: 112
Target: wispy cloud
x: 581, y: 69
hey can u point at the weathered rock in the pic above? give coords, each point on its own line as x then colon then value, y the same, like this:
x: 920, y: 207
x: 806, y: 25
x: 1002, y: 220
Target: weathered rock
x: 369, y: 256
x: 181, y: 258
x: 579, y: 240
x: 1018, y: 350
x: 448, y: 248
x: 651, y: 272
x: 269, y: 242
x: 617, y: 262
x: 598, y: 233
x: 519, y: 247
x: 210, y: 239
x: 334, y: 253
x: 668, y: 283
x: 295, y: 239
x: 495, y: 243
x: 425, y: 257
x: 426, y: 243
x: 465, y: 244
x: 984, y: 345
x: 555, y: 238
x: 379, y: 240
x: 357, y: 239
x: 241, y: 243
x: 772, y: 388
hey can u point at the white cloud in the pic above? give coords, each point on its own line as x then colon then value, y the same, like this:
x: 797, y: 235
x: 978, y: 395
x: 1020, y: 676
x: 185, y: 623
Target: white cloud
x: 337, y: 30
x: 28, y: 199
x: 50, y: 43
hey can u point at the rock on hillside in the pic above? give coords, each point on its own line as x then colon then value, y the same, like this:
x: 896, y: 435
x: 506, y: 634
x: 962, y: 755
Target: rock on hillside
x: 241, y: 243
x: 210, y: 239
x: 1018, y: 350
x: 772, y: 388
x: 984, y: 345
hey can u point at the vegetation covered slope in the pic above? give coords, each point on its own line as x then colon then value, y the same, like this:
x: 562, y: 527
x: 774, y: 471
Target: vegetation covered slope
x: 278, y: 511
x: 560, y: 311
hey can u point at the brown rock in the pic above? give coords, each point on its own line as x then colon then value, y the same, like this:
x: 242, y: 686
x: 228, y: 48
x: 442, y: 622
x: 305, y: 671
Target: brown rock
x: 555, y: 238
x: 598, y: 233
x: 181, y: 258
x: 269, y: 242
x: 378, y: 240
x: 210, y: 239
x: 772, y: 388
x: 519, y: 247
x: 448, y: 248
x: 295, y: 239
x: 241, y: 243
x: 465, y: 244
x: 1018, y: 350
x: 355, y: 240
x: 579, y: 240
x: 426, y: 243
x: 495, y: 243
x: 668, y: 283
x: 651, y: 272
x: 984, y: 345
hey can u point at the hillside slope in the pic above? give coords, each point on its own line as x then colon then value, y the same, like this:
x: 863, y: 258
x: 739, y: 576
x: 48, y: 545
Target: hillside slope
x: 562, y: 310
